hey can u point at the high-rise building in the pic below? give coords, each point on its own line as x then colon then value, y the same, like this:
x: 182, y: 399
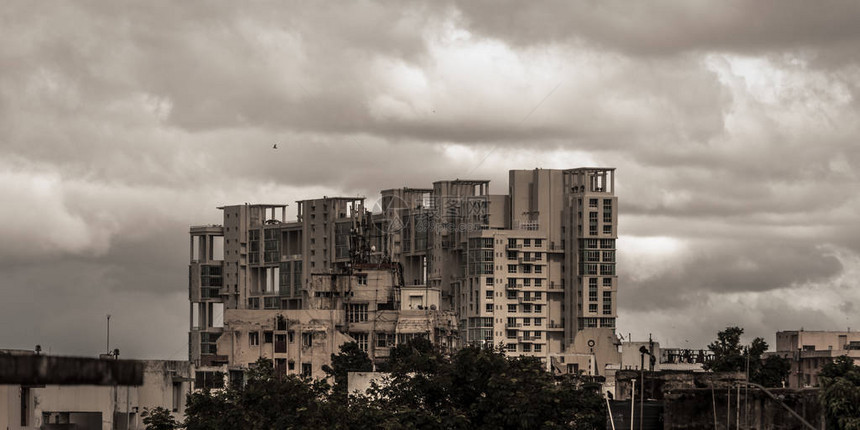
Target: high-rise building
x: 533, y: 270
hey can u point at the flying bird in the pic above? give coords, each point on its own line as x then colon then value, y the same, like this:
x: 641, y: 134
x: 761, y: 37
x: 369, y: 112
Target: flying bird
x: 275, y: 146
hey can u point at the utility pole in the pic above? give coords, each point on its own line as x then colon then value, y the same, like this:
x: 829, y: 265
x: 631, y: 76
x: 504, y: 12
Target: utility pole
x: 107, y: 341
x: 632, y: 403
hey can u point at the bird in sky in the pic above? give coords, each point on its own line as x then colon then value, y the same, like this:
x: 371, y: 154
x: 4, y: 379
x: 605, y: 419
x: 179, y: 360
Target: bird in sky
x: 275, y: 146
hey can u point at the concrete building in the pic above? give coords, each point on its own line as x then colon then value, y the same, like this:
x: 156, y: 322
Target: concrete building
x: 533, y: 270
x: 810, y: 350
x: 95, y: 407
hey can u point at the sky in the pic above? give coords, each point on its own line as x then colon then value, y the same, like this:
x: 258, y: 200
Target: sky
x: 733, y: 126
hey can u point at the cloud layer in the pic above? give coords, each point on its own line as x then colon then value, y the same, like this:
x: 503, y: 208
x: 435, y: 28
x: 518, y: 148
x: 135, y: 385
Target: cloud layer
x: 733, y: 126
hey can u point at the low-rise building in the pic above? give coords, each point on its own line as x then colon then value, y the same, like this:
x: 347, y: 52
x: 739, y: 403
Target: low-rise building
x: 808, y: 351
x: 95, y: 407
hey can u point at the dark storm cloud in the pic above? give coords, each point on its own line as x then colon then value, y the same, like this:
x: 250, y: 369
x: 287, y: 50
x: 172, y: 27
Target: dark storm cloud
x: 729, y: 267
x: 668, y: 27
x: 732, y: 124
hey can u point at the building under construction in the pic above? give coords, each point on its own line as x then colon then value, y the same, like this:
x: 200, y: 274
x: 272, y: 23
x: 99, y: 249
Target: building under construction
x: 532, y: 270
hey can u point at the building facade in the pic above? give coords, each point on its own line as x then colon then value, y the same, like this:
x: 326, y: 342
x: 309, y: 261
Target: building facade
x: 96, y: 407
x: 533, y: 270
x: 808, y: 351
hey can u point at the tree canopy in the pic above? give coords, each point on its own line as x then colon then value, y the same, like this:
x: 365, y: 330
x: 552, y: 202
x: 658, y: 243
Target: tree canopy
x: 731, y: 356
x: 840, y: 393
x: 473, y: 388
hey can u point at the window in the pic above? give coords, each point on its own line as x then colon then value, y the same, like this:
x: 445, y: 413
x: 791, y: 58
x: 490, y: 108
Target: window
x: 527, y: 282
x: 592, y: 203
x: 607, y: 282
x: 361, y: 279
x: 527, y: 242
x: 512, y: 308
x: 361, y: 340
x: 538, y: 308
x: 527, y: 308
x: 527, y: 269
x: 607, y: 243
x: 607, y: 303
x: 512, y: 255
x: 357, y: 313
x: 208, y: 380
x: 538, y: 321
x: 267, y: 336
x: 280, y: 343
x: 607, y: 269
x: 307, y: 370
x: 538, y: 348
x: 538, y: 243
x: 538, y: 256
x: 254, y: 338
x: 527, y: 347
x: 512, y: 268
x: 512, y: 243
x: 511, y: 347
x: 538, y: 269
x: 607, y: 228
x: 178, y: 396
x: 208, y: 343
x: 489, y: 281
x: 592, y: 307
x: 385, y: 340
x: 489, y: 307
x: 489, y: 294
x: 307, y: 340
x: 527, y: 322
x: 538, y: 282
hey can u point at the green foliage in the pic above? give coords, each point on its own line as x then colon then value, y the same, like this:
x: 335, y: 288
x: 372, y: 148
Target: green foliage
x: 159, y: 419
x: 840, y: 393
x: 482, y: 388
x: 475, y: 388
x: 265, y: 402
x: 731, y: 356
x: 350, y: 359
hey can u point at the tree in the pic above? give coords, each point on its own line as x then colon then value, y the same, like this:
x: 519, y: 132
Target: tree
x: 731, y: 356
x: 159, y: 419
x: 474, y: 388
x: 840, y: 393
x: 350, y: 359
x: 483, y: 388
x: 264, y: 402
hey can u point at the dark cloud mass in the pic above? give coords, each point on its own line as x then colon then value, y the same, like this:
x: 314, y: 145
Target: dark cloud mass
x: 733, y: 126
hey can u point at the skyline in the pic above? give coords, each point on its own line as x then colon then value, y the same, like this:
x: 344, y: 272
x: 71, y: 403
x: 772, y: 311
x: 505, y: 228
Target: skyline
x: 733, y: 128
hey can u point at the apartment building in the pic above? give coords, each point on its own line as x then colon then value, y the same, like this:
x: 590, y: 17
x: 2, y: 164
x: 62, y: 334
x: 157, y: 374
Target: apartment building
x: 533, y: 270
x: 808, y: 351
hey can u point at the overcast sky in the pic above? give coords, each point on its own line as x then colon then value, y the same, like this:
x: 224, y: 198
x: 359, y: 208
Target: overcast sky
x: 733, y: 125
